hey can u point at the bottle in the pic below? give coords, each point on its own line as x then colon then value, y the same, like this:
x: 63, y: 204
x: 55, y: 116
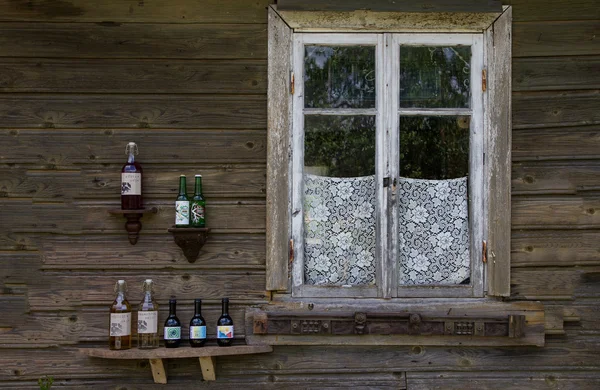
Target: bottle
x: 131, y: 180
x: 198, y: 205
x: 172, y: 327
x: 197, y: 326
x: 120, y: 319
x: 182, y: 205
x: 225, y: 325
x: 148, y: 319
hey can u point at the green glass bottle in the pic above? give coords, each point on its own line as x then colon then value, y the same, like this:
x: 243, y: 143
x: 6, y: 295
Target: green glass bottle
x: 198, y: 205
x: 182, y: 205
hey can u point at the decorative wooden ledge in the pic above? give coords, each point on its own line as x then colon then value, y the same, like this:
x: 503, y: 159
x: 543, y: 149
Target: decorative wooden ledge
x: 190, y: 240
x: 206, y: 355
x: 133, y: 224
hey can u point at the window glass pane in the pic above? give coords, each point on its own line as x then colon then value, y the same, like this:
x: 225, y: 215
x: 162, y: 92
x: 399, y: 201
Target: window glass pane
x: 339, y: 77
x: 433, y: 201
x: 435, y: 77
x: 434, y: 147
x: 339, y: 200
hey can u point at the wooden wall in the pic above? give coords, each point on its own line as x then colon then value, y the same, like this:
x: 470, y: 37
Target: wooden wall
x: 186, y: 80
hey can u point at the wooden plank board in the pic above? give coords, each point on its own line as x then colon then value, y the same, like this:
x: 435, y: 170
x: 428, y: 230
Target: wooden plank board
x: 133, y: 76
x: 182, y: 352
x: 541, y: 10
x: 555, y: 248
x: 392, y: 6
x: 118, y: 11
x: 554, y: 38
x: 574, y: 212
x: 555, y: 177
x: 552, y: 109
x: 556, y: 73
x: 571, y: 143
x: 133, y: 111
x: 554, y: 283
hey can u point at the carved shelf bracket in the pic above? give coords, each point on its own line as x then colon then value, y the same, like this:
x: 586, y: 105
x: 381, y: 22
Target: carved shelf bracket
x: 133, y: 224
x: 190, y: 240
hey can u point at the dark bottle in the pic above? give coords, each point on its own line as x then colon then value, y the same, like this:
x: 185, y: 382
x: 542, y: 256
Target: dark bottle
x: 131, y: 180
x: 172, y: 334
x: 225, y: 326
x: 119, y: 332
x: 197, y: 326
x: 182, y: 205
x: 198, y: 205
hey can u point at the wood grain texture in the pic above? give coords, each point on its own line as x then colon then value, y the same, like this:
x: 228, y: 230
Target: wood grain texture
x: 556, y: 73
x: 134, y: 76
x: 392, y: 6
x: 555, y: 177
x: 541, y: 39
x: 568, y: 212
x: 182, y: 352
x: 117, y: 11
x: 138, y: 112
x: 546, y: 10
x: 571, y: 143
x: 279, y: 127
x: 498, y: 142
x: 555, y: 248
x: 554, y: 283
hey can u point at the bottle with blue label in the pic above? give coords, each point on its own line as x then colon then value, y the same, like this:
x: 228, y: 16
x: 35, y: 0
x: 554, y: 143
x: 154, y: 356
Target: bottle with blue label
x: 225, y: 326
x: 197, y: 326
x: 172, y: 335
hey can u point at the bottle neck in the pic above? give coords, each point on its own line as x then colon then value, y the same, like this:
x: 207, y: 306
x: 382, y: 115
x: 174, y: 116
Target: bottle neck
x: 198, y: 186
x: 225, y: 307
x: 182, y: 186
x: 130, y: 158
x: 120, y: 296
x: 172, y: 308
x: 197, y: 308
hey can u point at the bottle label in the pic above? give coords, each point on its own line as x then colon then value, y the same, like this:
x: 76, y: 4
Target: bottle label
x: 197, y: 332
x: 172, y: 332
x: 131, y: 184
x: 120, y: 324
x: 182, y: 212
x: 197, y: 213
x: 225, y: 332
x: 147, y: 321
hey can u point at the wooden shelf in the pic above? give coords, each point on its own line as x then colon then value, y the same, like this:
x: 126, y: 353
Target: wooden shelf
x: 206, y: 356
x: 133, y: 224
x: 190, y: 240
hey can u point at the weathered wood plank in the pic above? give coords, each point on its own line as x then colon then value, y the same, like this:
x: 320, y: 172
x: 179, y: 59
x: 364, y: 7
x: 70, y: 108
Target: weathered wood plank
x: 62, y: 291
x: 66, y: 148
x: 549, y: 109
x: 541, y: 10
x: 48, y: 185
x: 161, y: 11
x: 555, y: 248
x: 553, y: 38
x: 158, y: 252
x: 554, y: 283
x: 392, y: 6
x: 556, y: 73
x: 549, y: 212
x: 555, y: 177
x: 122, y: 111
x: 133, y: 76
x: 556, y: 143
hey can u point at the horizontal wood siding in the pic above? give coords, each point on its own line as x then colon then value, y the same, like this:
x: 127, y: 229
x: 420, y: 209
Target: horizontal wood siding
x: 187, y: 81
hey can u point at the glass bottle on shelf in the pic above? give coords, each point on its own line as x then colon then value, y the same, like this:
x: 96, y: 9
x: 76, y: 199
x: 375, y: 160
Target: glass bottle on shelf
x: 198, y: 205
x: 182, y: 205
x: 225, y: 325
x: 147, y: 320
x: 172, y: 333
x: 197, y: 326
x: 131, y: 180
x: 120, y: 319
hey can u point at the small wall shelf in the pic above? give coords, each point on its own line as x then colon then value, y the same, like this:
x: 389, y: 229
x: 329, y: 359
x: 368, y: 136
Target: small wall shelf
x: 190, y: 240
x: 133, y: 224
x: 206, y: 355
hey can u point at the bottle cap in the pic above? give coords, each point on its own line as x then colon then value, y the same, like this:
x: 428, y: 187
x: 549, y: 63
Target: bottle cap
x: 225, y: 299
x: 181, y: 175
x: 198, y: 175
x: 197, y: 300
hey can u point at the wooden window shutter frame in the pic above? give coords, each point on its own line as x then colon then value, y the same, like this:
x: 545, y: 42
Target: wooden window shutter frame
x: 498, y: 130
x: 279, y: 121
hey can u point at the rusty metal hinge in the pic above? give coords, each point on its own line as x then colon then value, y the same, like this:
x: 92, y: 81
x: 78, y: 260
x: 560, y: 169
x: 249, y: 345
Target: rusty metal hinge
x: 292, y: 83
x: 484, y: 251
x: 483, y: 80
x: 291, y: 250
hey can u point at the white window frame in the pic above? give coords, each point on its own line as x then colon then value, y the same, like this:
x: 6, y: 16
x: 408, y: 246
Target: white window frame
x: 387, y: 112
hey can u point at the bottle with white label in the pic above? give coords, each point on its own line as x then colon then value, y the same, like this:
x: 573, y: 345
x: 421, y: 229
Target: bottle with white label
x: 225, y: 326
x: 172, y: 333
x: 119, y: 326
x: 182, y: 205
x: 131, y: 180
x: 197, y: 326
x: 147, y: 320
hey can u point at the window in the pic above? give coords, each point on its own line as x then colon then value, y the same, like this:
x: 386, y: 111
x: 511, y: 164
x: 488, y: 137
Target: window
x: 388, y: 162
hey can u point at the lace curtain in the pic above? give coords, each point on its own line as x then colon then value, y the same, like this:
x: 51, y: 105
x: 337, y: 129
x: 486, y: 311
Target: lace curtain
x: 339, y: 230
x: 433, y: 231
